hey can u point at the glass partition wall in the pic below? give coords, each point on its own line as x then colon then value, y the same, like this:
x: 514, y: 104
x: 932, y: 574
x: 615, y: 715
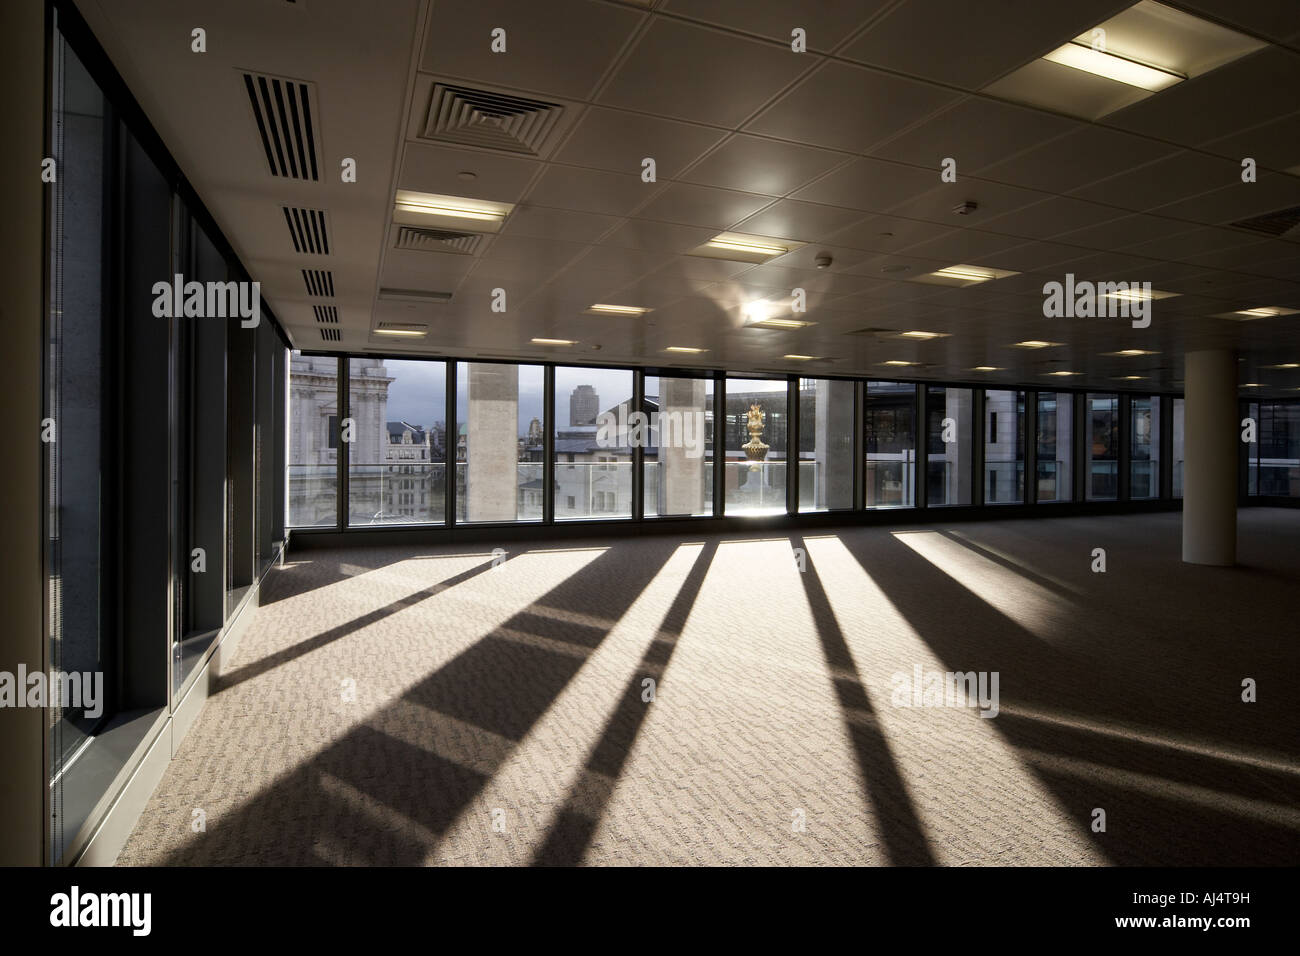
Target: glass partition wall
x: 564, y: 443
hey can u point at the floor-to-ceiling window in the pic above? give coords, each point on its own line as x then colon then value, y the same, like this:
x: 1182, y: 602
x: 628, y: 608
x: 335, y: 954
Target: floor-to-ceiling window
x: 1004, y: 446
x: 679, y: 446
x: 1279, y: 449
x: 397, y: 459
x: 1055, y: 452
x: 889, y: 434
x: 950, y: 451
x: 594, y: 432
x: 1144, y: 446
x: 826, y: 423
x: 314, y: 432
x: 1102, y: 448
x: 79, y: 429
x: 500, y: 442
x: 755, y: 429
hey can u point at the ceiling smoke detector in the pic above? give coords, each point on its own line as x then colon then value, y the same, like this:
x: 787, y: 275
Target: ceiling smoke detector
x: 823, y: 260
x: 965, y: 208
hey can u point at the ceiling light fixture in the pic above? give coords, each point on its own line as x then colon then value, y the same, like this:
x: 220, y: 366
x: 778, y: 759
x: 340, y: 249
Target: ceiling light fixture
x: 799, y: 358
x: 1139, y: 295
x: 738, y: 247
x: 923, y: 336
x: 601, y: 308
x: 963, y: 275
x: 987, y: 368
x: 685, y: 349
x: 1263, y: 312
x: 899, y: 363
x: 554, y: 342
x: 1130, y: 353
x: 1063, y: 373
x: 454, y: 212
x: 1036, y: 344
x: 1285, y: 365
x: 414, y: 332
x: 1084, y: 57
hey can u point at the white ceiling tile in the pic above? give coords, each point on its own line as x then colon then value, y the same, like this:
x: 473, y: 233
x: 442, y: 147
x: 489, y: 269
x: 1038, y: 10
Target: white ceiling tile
x: 618, y: 141
x: 561, y: 47
x: 701, y: 206
x: 850, y: 108
x: 756, y: 165
x: 694, y: 73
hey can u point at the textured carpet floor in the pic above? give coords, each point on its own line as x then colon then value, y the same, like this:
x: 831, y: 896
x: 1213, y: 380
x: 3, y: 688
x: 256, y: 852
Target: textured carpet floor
x: 423, y: 706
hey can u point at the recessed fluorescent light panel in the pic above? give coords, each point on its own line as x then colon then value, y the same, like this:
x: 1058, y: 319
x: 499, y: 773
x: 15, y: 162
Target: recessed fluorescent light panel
x: 799, y: 358
x: 554, y: 342
x: 963, y: 275
x: 1139, y: 295
x: 684, y: 349
x: 1140, y: 51
x: 401, y: 328
x: 601, y: 308
x: 1036, y: 344
x: 427, y: 209
x: 987, y: 368
x: 1263, y: 312
x: 1132, y: 353
x: 758, y: 315
x: 739, y: 247
x: 923, y: 336
x: 1082, y: 56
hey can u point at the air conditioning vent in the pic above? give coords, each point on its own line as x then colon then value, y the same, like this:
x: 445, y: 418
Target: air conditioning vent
x: 1278, y: 224
x: 437, y: 240
x: 309, y: 230
x: 326, y: 313
x: 331, y: 335
x: 414, y: 295
x: 497, y: 121
x: 283, y: 112
x: 319, y: 282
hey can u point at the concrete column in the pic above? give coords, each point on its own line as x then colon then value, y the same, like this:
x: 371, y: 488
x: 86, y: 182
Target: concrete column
x: 492, y: 443
x: 834, y: 444
x: 1210, y: 474
x: 681, y: 479
x: 22, y: 250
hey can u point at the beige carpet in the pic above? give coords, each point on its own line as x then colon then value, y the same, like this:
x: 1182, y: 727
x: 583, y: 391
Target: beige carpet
x: 423, y: 706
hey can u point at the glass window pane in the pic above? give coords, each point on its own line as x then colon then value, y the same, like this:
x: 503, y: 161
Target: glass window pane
x: 397, y: 461
x: 594, y: 431
x: 890, y: 435
x: 1279, y: 449
x: 1103, y: 447
x: 948, y: 462
x: 1004, y: 446
x: 313, y: 441
x: 825, y: 444
x: 1178, y: 448
x: 1251, y: 451
x: 1055, y: 446
x: 679, y: 447
x: 499, y: 442
x: 79, y: 547
x: 755, y: 429
x: 1144, y: 447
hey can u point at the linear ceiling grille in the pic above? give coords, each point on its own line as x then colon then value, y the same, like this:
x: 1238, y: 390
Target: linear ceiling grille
x: 283, y: 113
x: 326, y: 314
x: 308, y: 229
x: 331, y: 335
x: 319, y: 282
